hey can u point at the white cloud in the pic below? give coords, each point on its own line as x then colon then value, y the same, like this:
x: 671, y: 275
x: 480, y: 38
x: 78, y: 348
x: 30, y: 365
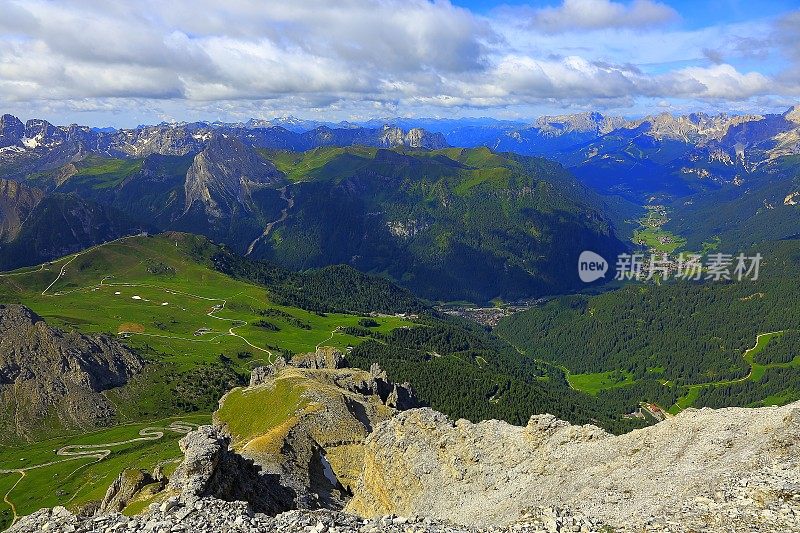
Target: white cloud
x: 720, y: 82
x: 574, y: 15
x: 210, y: 59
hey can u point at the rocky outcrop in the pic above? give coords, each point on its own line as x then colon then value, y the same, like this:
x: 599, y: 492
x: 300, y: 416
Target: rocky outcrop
x: 210, y: 468
x: 124, y: 489
x: 11, y: 130
x: 421, y: 463
x: 305, y: 438
x: 49, y: 373
x: 224, y: 176
x: 315, y: 417
x: 392, y: 137
x: 323, y: 357
x: 16, y: 203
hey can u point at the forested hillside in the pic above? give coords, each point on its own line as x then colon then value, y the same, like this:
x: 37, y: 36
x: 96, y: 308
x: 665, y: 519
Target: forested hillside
x: 679, y: 334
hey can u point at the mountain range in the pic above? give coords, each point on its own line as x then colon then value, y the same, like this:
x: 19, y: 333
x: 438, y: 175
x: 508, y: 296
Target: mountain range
x: 387, y: 201
x: 398, y: 202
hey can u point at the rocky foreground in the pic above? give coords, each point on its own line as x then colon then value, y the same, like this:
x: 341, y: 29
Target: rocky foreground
x: 212, y: 515
x: 352, y: 457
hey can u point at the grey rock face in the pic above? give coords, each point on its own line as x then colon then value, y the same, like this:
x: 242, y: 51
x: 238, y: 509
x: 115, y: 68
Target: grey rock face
x: 210, y: 468
x: 321, y: 358
x: 16, y: 203
x: 224, y: 175
x: 11, y: 130
x: 48, y: 372
x: 123, y: 490
x: 421, y: 463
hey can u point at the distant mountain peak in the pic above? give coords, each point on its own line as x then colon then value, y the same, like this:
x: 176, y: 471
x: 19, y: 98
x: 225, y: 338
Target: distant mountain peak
x: 586, y: 122
x: 793, y: 114
x: 223, y: 175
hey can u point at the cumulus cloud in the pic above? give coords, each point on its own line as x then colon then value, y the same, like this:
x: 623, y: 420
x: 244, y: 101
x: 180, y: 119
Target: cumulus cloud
x: 574, y: 15
x: 241, y: 57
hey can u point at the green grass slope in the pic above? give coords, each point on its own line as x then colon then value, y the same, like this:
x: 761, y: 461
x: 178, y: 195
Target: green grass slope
x: 454, y: 224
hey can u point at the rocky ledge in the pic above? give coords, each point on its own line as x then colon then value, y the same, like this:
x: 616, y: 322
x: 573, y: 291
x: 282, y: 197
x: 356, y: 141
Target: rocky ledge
x: 346, y: 459
x: 212, y: 515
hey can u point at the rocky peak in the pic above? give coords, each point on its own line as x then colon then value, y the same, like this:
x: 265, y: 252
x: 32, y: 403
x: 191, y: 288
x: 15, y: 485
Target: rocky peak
x: 588, y: 122
x: 211, y: 468
x: 793, y: 114
x: 392, y: 137
x: 11, y: 130
x: 45, y: 372
x: 323, y: 357
x: 224, y: 174
x: 39, y: 132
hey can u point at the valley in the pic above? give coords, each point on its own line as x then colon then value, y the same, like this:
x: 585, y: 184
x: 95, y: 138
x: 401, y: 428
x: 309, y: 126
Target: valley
x: 202, y: 319
x: 652, y: 234
x: 443, y: 265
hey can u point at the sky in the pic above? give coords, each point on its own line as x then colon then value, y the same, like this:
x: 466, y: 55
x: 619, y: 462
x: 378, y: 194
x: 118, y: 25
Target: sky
x: 122, y: 63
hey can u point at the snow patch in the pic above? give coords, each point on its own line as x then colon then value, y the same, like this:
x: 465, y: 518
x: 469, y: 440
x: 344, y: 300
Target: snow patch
x: 16, y: 149
x: 30, y: 142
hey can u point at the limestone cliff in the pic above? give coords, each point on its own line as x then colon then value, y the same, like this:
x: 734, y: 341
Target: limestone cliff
x: 421, y: 463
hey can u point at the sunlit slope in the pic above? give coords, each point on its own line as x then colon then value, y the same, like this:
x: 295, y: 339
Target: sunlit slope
x: 162, y: 293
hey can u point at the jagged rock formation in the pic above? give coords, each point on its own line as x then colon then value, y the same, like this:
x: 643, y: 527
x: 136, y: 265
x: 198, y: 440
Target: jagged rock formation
x: 224, y: 176
x: 745, y: 141
x: 322, y: 358
x: 48, y: 373
x: 38, y: 145
x: 292, y: 439
x: 391, y: 137
x: 210, y: 468
x: 421, y: 463
x: 11, y: 130
x: 578, y: 123
x: 308, y: 437
x: 320, y: 414
x: 125, y: 488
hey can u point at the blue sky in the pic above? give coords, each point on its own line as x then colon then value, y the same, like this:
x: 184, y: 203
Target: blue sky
x: 124, y: 63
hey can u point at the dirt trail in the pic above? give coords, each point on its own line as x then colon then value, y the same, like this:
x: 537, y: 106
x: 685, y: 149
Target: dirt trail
x: 86, y: 251
x: 7, y: 500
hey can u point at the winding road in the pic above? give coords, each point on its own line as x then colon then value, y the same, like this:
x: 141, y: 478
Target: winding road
x: 98, y: 452
x: 86, y: 251
x: 731, y: 381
